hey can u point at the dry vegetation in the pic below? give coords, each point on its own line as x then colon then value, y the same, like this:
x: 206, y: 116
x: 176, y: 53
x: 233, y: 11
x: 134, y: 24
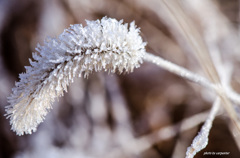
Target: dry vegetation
x: 149, y: 113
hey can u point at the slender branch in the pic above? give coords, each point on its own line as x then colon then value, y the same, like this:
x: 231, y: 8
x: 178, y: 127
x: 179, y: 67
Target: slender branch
x: 201, y: 140
x: 186, y: 74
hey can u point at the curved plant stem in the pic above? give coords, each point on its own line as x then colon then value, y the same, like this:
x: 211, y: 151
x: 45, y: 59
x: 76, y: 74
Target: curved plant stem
x: 184, y: 73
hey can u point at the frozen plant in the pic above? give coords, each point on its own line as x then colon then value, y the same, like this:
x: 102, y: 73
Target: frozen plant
x: 201, y: 140
x: 105, y: 44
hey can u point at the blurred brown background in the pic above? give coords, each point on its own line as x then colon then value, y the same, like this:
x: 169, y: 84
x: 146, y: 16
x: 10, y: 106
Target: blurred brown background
x: 137, y: 115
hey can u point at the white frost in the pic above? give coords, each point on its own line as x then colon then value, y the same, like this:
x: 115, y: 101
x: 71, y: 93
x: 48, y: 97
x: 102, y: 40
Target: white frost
x: 201, y: 140
x: 105, y: 44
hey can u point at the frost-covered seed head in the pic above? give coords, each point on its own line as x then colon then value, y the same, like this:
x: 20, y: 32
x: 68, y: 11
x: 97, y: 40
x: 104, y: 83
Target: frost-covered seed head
x: 104, y: 44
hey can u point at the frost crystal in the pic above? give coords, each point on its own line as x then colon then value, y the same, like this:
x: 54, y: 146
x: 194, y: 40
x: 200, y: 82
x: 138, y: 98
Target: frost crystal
x: 201, y: 140
x: 104, y: 44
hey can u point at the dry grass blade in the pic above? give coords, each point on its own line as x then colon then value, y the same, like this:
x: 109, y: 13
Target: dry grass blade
x: 193, y: 37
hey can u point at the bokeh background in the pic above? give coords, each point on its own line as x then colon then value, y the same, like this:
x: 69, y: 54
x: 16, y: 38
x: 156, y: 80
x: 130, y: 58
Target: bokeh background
x: 149, y: 113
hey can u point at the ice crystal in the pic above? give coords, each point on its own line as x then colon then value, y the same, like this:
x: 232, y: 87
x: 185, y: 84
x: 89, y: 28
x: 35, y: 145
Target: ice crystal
x: 105, y: 44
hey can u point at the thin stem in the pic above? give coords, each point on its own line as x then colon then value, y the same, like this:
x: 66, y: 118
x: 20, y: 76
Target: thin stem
x: 184, y: 73
x: 201, y: 140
